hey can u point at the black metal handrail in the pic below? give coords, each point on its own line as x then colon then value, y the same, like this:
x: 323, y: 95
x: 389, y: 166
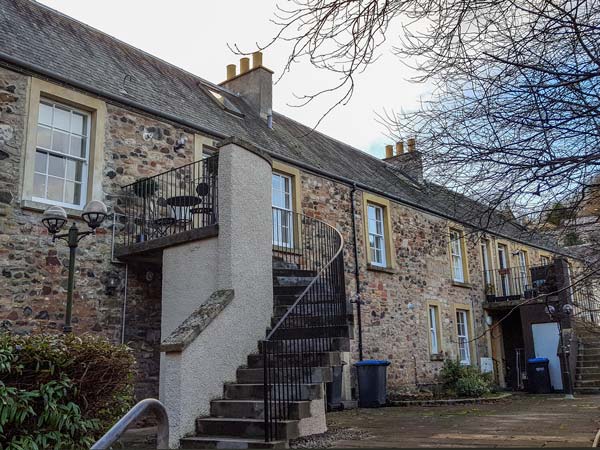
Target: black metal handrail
x: 291, y: 349
x: 513, y: 283
x: 180, y: 199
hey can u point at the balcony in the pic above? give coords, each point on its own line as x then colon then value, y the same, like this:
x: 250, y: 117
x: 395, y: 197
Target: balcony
x: 168, y: 209
x: 516, y: 283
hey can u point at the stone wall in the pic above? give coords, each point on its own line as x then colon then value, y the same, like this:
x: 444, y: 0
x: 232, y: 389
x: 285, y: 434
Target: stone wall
x: 34, y: 270
x: 394, y: 313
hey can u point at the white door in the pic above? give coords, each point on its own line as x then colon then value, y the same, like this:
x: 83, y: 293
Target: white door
x: 545, y: 344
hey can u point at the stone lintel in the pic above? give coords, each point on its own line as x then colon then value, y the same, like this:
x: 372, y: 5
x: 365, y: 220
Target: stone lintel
x: 197, y: 322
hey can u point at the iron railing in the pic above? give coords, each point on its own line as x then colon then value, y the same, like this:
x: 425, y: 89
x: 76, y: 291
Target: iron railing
x: 180, y: 199
x: 291, y: 349
x: 586, y: 301
x: 514, y: 283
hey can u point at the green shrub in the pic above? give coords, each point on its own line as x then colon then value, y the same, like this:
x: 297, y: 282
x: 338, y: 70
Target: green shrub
x: 61, y: 391
x: 464, y: 381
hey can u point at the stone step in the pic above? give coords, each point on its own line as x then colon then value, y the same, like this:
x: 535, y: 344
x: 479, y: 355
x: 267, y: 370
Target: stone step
x: 313, y: 309
x: 254, y: 409
x: 336, y: 344
x: 337, y: 331
x: 587, y: 390
x: 312, y: 320
x: 588, y: 376
x: 308, y: 374
x: 322, y: 359
x: 279, y: 263
x: 587, y: 382
x: 308, y: 300
x: 294, y: 273
x: 196, y: 442
x: 255, y: 391
x: 288, y: 280
x: 245, y: 428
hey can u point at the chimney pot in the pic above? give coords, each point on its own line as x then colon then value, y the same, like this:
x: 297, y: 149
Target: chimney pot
x: 411, y: 145
x: 256, y: 59
x: 230, y: 71
x: 244, y: 65
x: 389, y: 151
x: 399, y: 148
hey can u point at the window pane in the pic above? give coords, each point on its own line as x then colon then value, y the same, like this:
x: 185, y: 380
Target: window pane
x: 77, y: 146
x: 40, y: 161
x: 43, y: 137
x: 39, y: 185
x: 379, y: 228
x: 45, y: 114
x: 60, y: 141
x: 56, y: 166
x: 79, y: 124
x: 55, y: 189
x: 74, y: 170
x: 62, y: 118
x: 72, y: 192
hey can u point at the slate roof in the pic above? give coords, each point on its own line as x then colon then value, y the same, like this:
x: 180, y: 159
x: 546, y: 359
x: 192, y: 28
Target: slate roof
x: 37, y: 35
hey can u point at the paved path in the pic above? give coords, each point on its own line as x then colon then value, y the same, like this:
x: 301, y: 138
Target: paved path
x: 523, y: 421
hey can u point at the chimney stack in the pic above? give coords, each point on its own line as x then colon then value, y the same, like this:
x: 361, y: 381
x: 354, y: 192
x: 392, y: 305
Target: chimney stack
x: 408, y: 164
x: 244, y: 65
x: 254, y: 85
x: 389, y: 151
x: 399, y: 148
x: 231, y: 71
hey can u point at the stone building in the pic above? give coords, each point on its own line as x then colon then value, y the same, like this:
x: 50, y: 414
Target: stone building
x: 84, y: 116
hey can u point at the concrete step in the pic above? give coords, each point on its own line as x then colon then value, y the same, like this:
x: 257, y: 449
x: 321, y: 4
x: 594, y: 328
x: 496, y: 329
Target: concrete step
x: 280, y: 299
x: 336, y: 344
x: 254, y: 409
x: 311, y: 309
x: 308, y: 374
x: 322, y: 359
x: 588, y: 376
x: 245, y: 428
x: 588, y: 383
x: 196, y: 442
x: 255, y: 391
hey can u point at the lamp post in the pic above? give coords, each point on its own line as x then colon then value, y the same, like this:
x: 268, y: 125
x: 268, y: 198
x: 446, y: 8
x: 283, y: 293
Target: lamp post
x: 54, y: 219
x: 558, y: 315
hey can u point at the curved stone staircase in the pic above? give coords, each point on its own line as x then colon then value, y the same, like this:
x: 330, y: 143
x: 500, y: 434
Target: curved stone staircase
x: 237, y: 419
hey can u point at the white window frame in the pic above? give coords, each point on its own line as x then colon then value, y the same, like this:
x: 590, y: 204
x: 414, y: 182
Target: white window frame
x: 544, y: 260
x: 462, y: 332
x: 377, y: 235
x: 456, y: 253
x: 523, y: 276
x: 434, y: 333
x: 49, y: 151
x: 503, y: 264
x: 283, y: 217
x: 485, y: 258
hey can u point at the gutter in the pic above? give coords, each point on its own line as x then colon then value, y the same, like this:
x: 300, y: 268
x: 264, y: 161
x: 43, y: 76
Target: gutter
x: 177, y: 120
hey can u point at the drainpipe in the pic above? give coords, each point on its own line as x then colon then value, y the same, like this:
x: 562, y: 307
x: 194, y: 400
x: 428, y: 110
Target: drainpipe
x: 357, y: 300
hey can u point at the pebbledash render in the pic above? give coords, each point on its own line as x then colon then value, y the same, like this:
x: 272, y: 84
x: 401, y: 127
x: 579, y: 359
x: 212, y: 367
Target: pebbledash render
x: 83, y: 115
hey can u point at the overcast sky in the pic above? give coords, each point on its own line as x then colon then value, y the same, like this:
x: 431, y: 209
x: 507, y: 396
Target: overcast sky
x: 194, y: 36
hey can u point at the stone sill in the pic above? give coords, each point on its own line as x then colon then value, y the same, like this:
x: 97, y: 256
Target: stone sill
x: 462, y: 285
x: 380, y: 269
x: 436, y: 357
x: 41, y: 207
x: 289, y: 250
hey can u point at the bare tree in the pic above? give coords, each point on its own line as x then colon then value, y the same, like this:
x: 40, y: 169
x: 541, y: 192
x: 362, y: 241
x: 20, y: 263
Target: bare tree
x: 513, y: 121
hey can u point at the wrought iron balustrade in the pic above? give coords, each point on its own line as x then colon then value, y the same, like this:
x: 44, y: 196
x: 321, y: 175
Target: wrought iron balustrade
x: 514, y: 283
x: 291, y: 350
x: 178, y: 200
